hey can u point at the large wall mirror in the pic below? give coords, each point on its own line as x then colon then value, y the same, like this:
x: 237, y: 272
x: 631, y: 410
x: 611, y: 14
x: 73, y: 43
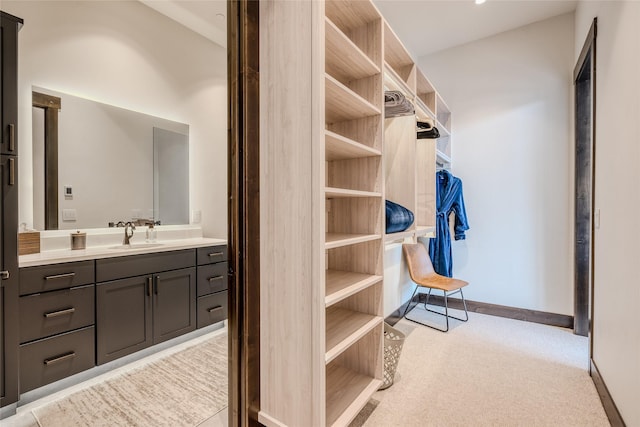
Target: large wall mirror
x: 95, y: 163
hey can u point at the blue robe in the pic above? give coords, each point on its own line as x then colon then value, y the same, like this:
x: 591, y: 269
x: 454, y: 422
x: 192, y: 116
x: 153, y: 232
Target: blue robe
x: 448, y: 199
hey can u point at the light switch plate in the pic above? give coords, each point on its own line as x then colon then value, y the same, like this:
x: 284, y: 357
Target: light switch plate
x: 68, y: 214
x: 196, y: 217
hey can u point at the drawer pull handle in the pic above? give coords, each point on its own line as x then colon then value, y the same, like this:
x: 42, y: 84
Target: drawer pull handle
x: 61, y: 358
x: 12, y: 171
x: 60, y: 312
x: 60, y: 276
x: 149, y: 286
x: 214, y: 309
x: 211, y: 279
x: 12, y: 137
x: 216, y: 254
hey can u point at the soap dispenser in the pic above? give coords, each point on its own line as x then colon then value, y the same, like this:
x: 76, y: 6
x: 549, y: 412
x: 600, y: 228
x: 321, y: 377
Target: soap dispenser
x: 151, y: 234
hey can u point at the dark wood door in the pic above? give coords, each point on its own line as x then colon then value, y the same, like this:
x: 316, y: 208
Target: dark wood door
x: 174, y: 304
x: 123, y: 317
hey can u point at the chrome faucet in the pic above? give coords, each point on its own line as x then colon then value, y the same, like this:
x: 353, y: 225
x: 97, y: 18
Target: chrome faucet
x: 128, y: 232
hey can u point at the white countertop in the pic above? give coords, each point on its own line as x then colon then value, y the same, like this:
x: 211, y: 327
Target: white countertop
x: 97, y: 252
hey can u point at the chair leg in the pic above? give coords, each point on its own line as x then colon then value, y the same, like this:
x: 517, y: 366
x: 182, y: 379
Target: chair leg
x: 426, y: 301
x: 446, y: 311
x: 410, y: 301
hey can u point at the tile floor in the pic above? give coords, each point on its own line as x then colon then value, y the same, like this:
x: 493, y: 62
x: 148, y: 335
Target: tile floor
x: 25, y: 418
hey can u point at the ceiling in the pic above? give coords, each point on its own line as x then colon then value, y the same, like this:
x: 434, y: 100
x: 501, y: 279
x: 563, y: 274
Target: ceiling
x: 429, y: 26
x: 423, y: 26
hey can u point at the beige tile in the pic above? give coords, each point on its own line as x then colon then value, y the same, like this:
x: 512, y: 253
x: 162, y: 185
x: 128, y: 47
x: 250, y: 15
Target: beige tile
x: 221, y: 419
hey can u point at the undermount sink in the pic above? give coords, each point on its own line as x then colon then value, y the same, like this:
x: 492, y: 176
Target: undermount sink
x: 137, y: 246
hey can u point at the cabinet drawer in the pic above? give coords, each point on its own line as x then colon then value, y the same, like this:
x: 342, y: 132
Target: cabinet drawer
x: 55, y: 276
x: 212, y: 278
x: 51, y: 359
x: 212, y: 254
x: 212, y: 308
x: 50, y: 313
x: 138, y: 265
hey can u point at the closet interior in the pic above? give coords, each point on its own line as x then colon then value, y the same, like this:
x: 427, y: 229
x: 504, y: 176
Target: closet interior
x: 323, y: 236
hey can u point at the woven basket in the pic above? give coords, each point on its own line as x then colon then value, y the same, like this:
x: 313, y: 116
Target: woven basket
x: 393, y: 341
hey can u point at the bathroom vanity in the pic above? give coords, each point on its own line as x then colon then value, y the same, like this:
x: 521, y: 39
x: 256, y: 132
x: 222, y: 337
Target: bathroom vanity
x: 82, y: 308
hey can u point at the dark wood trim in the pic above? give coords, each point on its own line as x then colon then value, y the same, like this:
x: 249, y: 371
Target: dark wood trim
x: 543, y: 317
x: 584, y: 244
x: 588, y: 43
x: 244, y: 212
x: 610, y: 408
x: 51, y: 106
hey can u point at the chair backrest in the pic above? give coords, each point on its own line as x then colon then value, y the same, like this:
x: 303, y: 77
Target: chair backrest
x: 418, y: 260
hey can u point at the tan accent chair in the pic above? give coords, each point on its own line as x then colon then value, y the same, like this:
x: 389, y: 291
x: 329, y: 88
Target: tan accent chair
x: 422, y: 273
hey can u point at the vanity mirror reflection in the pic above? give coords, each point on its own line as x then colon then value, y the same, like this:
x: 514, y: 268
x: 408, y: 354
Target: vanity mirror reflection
x: 95, y: 163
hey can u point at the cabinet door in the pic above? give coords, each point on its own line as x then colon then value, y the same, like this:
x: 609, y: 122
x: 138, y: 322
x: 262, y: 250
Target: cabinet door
x: 123, y: 317
x: 174, y: 304
x: 8, y: 284
x: 9, y: 94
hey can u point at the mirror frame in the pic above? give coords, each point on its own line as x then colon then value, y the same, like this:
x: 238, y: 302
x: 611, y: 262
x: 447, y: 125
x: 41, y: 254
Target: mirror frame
x: 51, y: 105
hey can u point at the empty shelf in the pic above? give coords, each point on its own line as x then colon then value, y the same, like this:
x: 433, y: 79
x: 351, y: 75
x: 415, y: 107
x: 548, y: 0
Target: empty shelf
x: 423, y: 230
x: 399, y: 235
x: 345, y: 327
x: 392, y: 81
x: 342, y: 104
x: 343, y: 59
x: 338, y: 147
x: 336, y: 240
x: 347, y: 393
x: 343, y: 284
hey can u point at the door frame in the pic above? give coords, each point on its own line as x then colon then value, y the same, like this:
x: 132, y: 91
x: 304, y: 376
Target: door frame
x: 585, y: 127
x: 243, y: 211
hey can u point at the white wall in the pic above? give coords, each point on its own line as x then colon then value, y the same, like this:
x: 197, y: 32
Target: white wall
x: 126, y: 54
x: 510, y: 97
x: 616, y: 336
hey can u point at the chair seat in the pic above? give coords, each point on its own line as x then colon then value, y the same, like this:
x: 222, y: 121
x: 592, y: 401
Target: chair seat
x: 443, y: 283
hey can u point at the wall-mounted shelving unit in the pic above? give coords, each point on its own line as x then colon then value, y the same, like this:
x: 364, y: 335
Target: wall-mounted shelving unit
x: 329, y: 160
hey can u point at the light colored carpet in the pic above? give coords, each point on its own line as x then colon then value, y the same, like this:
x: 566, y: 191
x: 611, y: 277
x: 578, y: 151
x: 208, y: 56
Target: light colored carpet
x: 183, y: 389
x: 489, y: 371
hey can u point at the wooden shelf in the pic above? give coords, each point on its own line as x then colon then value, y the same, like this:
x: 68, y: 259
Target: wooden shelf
x: 443, y: 130
x: 353, y: 14
x: 333, y: 193
x: 343, y: 59
x: 347, y: 393
x: 336, y: 240
x: 423, y: 230
x: 338, y: 147
x: 399, y: 235
x: 392, y: 81
x: 423, y: 112
x: 395, y: 53
x: 342, y: 104
x: 345, y: 327
x: 343, y: 284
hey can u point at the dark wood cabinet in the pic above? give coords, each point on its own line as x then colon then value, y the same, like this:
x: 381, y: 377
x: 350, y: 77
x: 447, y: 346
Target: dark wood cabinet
x: 10, y: 26
x: 136, y: 312
x: 123, y: 317
x: 212, y: 285
x: 174, y: 304
x: 56, y: 322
